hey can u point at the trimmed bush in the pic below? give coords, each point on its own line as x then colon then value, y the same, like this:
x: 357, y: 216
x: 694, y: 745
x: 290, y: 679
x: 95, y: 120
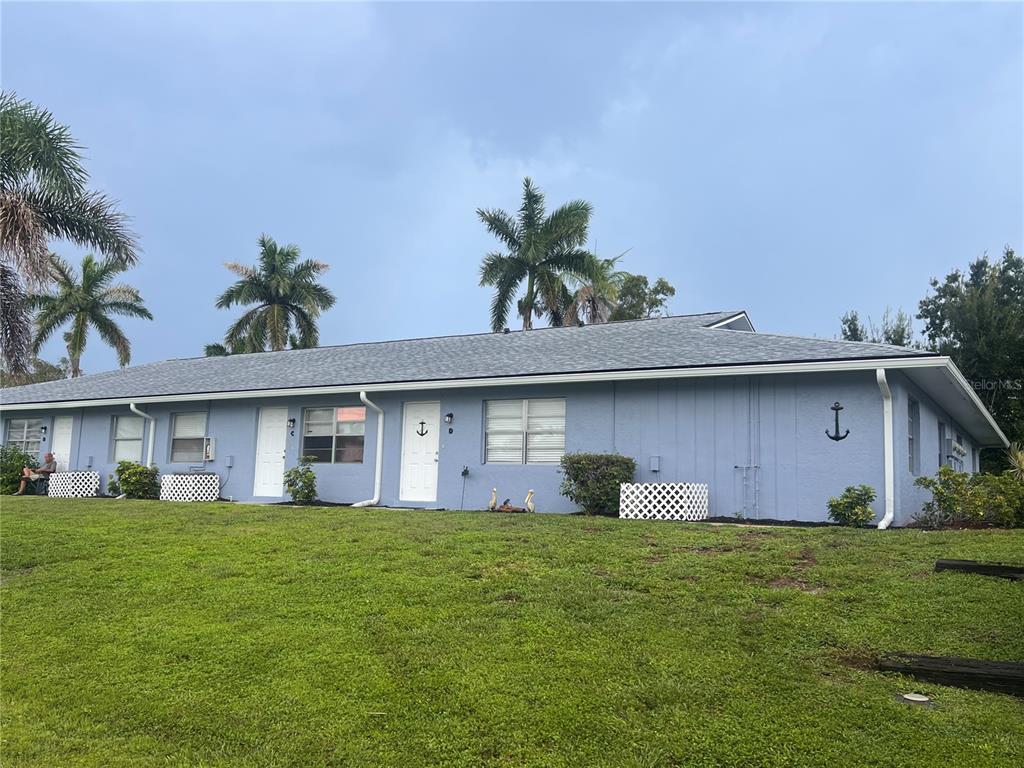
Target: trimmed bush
x: 963, y: 499
x: 300, y: 481
x: 136, y: 481
x: 592, y: 480
x: 852, y: 506
x: 12, y: 461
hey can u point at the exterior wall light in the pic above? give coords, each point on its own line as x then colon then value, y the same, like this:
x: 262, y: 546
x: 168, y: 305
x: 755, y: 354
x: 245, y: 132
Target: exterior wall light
x: 449, y: 418
x: 291, y: 423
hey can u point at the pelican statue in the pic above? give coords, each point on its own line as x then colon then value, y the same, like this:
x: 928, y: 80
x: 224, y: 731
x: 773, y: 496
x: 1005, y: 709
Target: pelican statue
x: 530, y: 506
x: 493, y: 505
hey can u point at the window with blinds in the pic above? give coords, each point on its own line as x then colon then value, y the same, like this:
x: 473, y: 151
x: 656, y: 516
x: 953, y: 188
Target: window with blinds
x: 188, y: 433
x: 524, y: 431
x: 26, y: 434
x: 334, y: 435
x: 127, y: 438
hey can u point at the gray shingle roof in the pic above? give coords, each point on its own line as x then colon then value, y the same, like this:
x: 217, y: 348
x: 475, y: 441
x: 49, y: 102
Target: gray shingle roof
x: 674, y: 342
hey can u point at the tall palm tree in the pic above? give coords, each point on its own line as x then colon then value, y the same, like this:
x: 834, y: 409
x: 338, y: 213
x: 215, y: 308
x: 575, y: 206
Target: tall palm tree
x: 541, y: 249
x: 285, y: 293
x: 43, y: 196
x: 89, y: 300
x: 591, y: 300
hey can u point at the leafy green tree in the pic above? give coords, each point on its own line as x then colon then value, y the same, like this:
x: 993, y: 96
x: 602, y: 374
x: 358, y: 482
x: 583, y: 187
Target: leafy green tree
x: 283, y: 294
x: 44, y: 196
x: 638, y: 299
x: 977, y: 319
x: 87, y: 300
x: 38, y: 371
x: 852, y: 329
x: 541, y: 249
x: 897, y: 328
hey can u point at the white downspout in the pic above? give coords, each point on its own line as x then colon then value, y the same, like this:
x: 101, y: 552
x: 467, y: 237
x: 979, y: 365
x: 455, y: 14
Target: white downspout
x: 152, y: 431
x: 380, y: 451
x: 890, y: 473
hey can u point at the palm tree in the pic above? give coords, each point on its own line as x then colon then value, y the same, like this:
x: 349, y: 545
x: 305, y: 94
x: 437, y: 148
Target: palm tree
x: 89, y: 300
x: 541, y: 249
x: 286, y: 295
x: 594, y: 298
x: 43, y: 196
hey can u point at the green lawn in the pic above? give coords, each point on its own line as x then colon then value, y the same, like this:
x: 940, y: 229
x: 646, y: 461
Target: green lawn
x: 145, y: 633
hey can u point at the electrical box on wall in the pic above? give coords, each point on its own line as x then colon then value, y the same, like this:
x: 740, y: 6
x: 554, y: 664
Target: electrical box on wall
x: 209, y: 449
x: 229, y: 462
x: 655, y: 463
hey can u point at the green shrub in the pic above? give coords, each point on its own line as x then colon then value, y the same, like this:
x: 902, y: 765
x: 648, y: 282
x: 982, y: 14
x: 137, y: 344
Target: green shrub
x: 300, y: 481
x: 12, y: 461
x: 960, y: 498
x: 592, y: 480
x: 853, y: 506
x: 136, y: 481
x: 1000, y: 498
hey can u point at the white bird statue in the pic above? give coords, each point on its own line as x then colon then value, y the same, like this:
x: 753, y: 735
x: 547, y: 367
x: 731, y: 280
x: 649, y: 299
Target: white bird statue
x: 494, y: 500
x: 530, y: 506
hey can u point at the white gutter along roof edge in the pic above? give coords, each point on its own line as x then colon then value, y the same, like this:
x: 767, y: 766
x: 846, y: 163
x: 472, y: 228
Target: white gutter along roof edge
x: 753, y: 369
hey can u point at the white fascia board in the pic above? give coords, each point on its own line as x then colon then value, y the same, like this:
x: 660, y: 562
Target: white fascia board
x: 973, y: 397
x: 734, y: 318
x: 757, y: 369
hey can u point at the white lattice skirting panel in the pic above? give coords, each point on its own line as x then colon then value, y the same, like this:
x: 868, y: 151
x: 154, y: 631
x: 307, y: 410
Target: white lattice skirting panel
x: 194, y: 487
x: 663, y: 501
x: 74, y: 485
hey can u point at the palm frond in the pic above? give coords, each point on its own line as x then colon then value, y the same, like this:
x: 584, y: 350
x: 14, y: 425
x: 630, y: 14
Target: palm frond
x: 36, y: 147
x: 23, y: 239
x: 531, y: 212
x: 567, y: 226
x: 504, y: 294
x: 502, y: 226
x: 90, y: 219
x: 15, y: 324
x: 112, y: 336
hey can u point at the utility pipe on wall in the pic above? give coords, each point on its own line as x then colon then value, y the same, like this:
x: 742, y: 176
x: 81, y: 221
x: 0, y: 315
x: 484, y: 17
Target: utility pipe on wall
x: 890, y: 473
x: 152, y: 431
x: 380, y: 451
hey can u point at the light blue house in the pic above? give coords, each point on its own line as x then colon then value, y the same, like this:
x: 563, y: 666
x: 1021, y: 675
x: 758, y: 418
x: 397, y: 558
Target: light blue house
x: 439, y: 422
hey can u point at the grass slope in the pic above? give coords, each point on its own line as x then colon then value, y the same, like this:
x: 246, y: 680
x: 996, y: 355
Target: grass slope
x: 149, y: 634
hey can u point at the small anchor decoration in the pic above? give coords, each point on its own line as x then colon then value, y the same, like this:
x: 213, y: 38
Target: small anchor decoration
x: 423, y: 429
x: 837, y: 437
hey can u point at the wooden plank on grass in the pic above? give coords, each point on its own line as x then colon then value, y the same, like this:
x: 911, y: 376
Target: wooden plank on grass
x: 986, y: 569
x: 978, y: 674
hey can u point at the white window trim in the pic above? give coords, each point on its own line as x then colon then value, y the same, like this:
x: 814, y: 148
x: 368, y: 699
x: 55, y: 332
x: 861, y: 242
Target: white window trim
x: 524, y: 432
x: 174, y: 425
x: 334, y: 432
x: 114, y: 439
x: 22, y: 441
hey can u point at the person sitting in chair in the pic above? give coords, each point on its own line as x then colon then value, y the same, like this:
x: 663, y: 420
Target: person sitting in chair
x: 39, y: 473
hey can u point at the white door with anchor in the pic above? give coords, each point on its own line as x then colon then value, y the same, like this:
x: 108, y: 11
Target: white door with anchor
x: 271, y: 439
x: 420, y: 429
x: 61, y: 445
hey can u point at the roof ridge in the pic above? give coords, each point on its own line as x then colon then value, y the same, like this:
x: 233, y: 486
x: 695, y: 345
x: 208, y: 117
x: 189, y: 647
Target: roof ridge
x: 833, y: 341
x: 455, y: 336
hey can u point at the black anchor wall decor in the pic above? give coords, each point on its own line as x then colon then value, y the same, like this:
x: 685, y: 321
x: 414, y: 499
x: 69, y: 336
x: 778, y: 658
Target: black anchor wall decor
x: 837, y: 437
x: 423, y: 429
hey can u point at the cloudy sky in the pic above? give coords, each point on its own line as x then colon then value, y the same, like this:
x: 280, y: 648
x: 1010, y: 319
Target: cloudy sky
x: 793, y: 160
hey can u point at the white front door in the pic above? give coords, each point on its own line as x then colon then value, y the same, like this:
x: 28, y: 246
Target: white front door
x: 420, y: 430
x: 271, y: 439
x: 61, y: 445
